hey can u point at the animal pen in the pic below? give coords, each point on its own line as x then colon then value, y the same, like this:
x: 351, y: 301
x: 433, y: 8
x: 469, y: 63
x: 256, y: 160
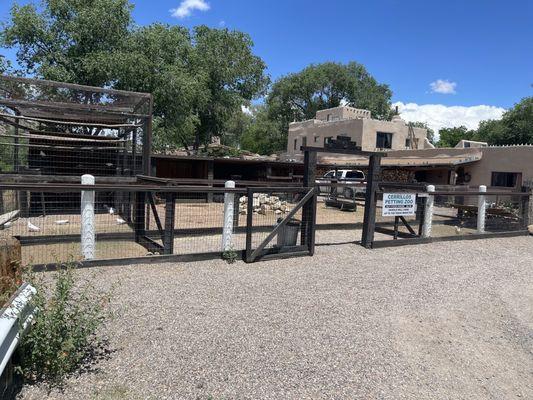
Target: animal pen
x: 52, y: 134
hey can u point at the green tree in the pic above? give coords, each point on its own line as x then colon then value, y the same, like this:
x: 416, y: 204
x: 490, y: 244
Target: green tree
x: 515, y: 127
x: 237, y: 125
x: 68, y: 40
x: 297, y: 97
x: 450, y: 137
x: 231, y: 75
x: 199, y: 79
x: 264, y: 135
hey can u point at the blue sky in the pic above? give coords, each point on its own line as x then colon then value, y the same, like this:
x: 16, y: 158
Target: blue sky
x: 447, y: 61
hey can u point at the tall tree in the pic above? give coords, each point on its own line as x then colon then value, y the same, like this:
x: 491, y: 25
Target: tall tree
x: 299, y: 96
x: 68, y: 40
x: 264, y: 135
x: 231, y: 76
x: 515, y: 127
x: 450, y: 137
x: 199, y: 79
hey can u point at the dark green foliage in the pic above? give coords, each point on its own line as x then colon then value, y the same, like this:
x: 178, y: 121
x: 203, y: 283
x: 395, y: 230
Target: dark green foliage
x: 264, y: 134
x: 297, y: 97
x: 515, y: 127
x: 450, y: 137
x: 199, y: 79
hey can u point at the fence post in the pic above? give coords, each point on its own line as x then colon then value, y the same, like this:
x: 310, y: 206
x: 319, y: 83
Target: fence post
x: 481, y: 209
x: 428, y: 212
x: 88, y: 237
x: 229, y: 205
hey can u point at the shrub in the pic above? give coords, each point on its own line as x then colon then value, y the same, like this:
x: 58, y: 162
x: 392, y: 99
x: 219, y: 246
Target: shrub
x: 65, y: 332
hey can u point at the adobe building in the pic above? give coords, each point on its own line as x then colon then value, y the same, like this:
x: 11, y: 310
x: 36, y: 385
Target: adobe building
x: 358, y: 125
x: 410, y: 155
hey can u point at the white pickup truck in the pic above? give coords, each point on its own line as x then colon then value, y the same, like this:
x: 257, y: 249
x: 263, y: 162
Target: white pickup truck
x: 352, y: 176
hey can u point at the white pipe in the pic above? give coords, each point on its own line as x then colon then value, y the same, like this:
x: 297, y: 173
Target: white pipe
x: 88, y: 236
x: 14, y: 322
x: 229, y: 204
x: 428, y: 212
x: 481, y: 209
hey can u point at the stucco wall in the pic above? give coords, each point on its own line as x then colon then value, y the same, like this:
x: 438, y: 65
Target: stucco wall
x: 517, y: 159
x: 362, y: 131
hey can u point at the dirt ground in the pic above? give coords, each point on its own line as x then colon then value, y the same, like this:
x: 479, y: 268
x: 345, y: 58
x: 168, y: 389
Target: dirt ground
x: 449, y: 320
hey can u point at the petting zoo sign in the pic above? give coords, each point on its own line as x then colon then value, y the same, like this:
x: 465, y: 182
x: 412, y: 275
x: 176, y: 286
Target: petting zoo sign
x: 398, y: 204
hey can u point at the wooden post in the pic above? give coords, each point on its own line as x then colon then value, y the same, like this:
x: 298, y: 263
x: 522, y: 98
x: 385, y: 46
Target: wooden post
x: 140, y: 214
x: 527, y: 208
x: 147, y: 141
x: 236, y: 210
x: 309, y: 209
x: 369, y: 222
x: 10, y: 264
x: 16, y: 161
x: 170, y: 215
x: 210, y: 177
x: 249, y: 224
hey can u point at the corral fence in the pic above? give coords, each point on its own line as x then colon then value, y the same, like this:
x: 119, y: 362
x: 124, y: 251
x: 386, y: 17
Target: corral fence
x: 155, y: 222
x: 143, y: 223
x: 446, y: 213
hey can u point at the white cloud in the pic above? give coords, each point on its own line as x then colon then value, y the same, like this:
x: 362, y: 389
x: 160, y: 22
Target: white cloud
x: 443, y: 86
x: 439, y: 116
x: 222, y: 24
x: 186, y: 8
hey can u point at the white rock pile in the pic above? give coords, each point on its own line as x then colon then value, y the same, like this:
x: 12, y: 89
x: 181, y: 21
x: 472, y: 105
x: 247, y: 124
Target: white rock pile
x: 264, y: 204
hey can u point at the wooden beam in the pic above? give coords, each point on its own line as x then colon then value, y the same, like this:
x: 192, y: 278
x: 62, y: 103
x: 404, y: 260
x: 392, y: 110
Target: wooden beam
x: 342, y: 151
x: 369, y: 223
x: 281, y: 224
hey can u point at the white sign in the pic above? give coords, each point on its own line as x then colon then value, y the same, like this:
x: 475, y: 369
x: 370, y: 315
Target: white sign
x: 398, y: 204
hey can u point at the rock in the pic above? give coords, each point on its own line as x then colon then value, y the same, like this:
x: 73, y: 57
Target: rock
x: 243, y: 199
x: 278, y: 212
x: 530, y: 229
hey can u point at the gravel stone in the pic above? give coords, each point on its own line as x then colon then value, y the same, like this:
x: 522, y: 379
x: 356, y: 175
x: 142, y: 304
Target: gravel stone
x: 449, y: 320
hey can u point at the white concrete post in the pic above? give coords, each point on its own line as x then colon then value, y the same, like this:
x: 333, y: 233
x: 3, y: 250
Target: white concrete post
x: 88, y: 237
x: 481, y: 209
x: 428, y: 212
x: 227, y: 230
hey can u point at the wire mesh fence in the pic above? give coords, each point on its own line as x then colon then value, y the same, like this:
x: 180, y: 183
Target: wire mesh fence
x: 60, y: 129
x: 133, y: 223
x: 456, y: 213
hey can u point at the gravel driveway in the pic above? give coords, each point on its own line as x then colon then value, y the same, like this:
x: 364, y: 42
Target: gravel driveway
x: 438, y: 321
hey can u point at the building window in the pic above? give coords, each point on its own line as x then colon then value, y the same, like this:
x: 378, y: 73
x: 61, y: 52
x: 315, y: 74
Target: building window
x: 316, y: 138
x: 384, y: 140
x: 327, y: 139
x: 505, y: 179
x: 304, y: 141
x: 466, y: 145
x: 295, y: 144
x: 328, y: 118
x: 408, y: 143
